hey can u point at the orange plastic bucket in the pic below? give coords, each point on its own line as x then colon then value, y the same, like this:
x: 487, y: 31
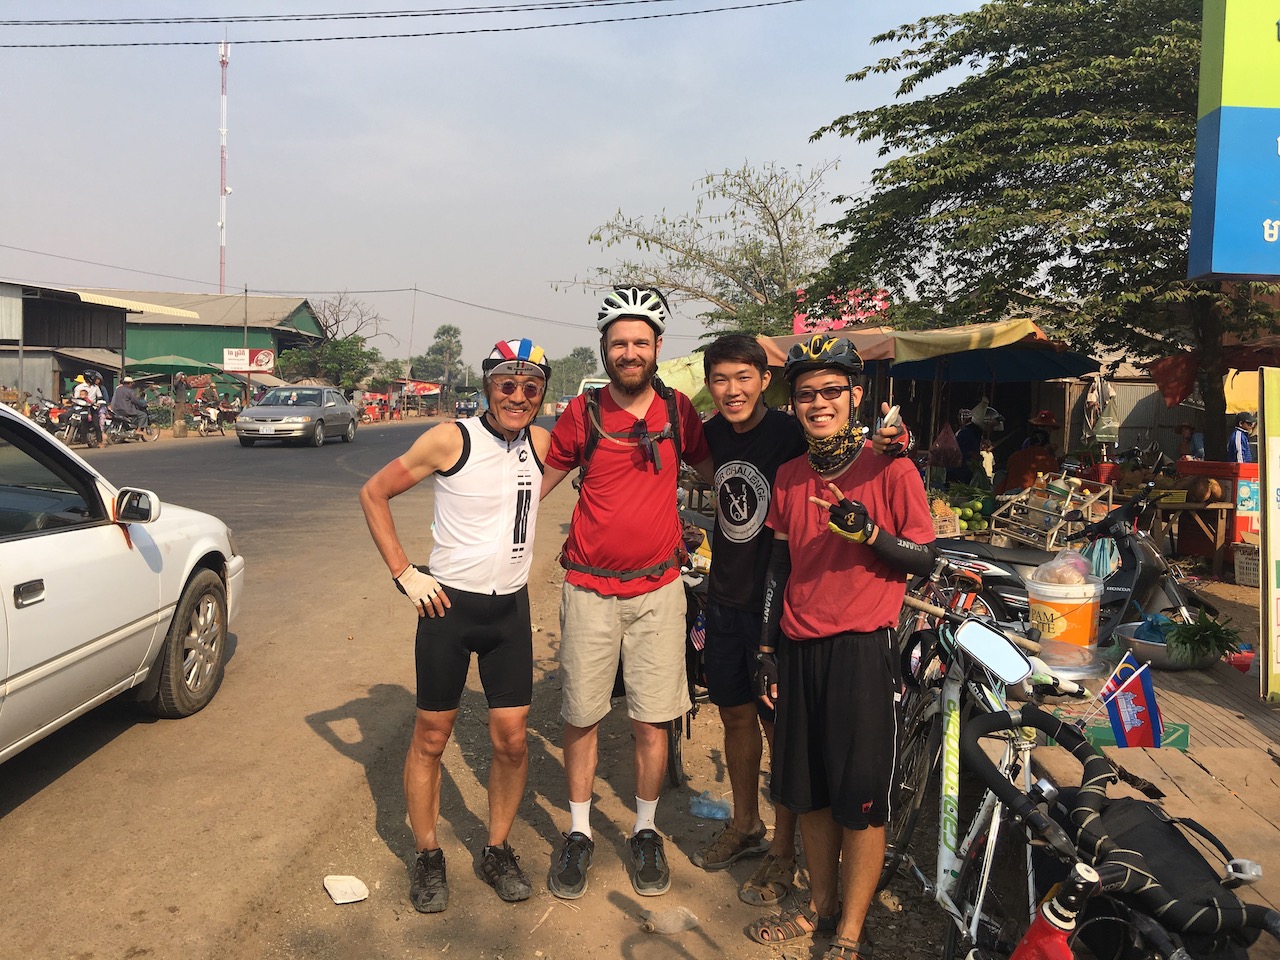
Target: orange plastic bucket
x: 1067, y: 612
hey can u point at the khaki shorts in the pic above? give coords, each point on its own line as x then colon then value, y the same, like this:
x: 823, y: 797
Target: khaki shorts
x: 648, y: 630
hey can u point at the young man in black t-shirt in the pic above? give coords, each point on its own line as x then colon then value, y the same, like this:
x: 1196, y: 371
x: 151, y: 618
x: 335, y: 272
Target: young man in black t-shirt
x: 748, y: 443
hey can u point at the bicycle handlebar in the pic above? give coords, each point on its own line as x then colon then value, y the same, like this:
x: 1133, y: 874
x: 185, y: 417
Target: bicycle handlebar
x: 1122, y: 871
x: 955, y: 619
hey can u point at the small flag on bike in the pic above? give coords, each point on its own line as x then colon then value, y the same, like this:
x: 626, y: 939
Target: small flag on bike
x: 698, y: 632
x: 1131, y: 703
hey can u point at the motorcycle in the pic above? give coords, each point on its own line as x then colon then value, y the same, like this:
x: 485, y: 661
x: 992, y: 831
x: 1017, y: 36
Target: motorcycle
x: 1142, y: 583
x: 45, y: 413
x: 208, y: 419
x: 74, y: 424
x: 120, y: 429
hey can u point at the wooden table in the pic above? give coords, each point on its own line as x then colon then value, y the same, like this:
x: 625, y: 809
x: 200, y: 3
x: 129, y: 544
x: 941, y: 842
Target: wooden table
x: 1167, y: 514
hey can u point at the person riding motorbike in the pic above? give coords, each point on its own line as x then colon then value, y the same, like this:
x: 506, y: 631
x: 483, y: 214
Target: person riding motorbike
x: 127, y: 404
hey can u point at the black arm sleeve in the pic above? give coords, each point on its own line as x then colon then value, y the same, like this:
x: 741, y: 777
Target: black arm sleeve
x: 910, y: 557
x: 775, y: 582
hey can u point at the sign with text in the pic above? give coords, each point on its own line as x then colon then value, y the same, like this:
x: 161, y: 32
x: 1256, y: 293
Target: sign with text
x: 241, y: 360
x: 1235, y: 208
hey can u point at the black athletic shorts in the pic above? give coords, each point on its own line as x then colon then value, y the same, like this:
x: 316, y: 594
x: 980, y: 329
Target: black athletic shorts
x: 496, y: 629
x: 729, y: 658
x: 836, y: 739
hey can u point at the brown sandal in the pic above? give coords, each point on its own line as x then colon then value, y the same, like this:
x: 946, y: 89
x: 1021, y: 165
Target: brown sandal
x: 770, y: 883
x: 842, y: 949
x: 787, y: 926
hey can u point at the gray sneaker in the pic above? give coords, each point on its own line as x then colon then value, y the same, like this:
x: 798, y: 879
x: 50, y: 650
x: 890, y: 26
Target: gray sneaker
x: 650, y: 875
x: 568, y: 876
x: 428, y: 889
x: 501, y: 870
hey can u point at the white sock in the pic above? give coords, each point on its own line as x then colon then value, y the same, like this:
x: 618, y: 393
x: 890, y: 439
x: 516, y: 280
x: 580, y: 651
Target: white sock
x: 646, y: 810
x: 580, y: 818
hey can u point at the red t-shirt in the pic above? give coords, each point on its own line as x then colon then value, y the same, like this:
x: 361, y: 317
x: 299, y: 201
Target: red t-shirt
x: 837, y: 586
x: 626, y: 515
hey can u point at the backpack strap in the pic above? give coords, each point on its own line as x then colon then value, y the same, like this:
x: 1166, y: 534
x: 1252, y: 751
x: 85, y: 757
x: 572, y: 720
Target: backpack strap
x: 593, y: 428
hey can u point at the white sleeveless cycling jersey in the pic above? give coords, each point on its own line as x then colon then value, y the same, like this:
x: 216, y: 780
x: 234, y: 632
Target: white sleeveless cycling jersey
x: 486, y: 510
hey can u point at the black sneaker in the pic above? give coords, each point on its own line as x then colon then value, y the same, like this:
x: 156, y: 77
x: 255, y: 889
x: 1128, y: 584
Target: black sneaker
x: 428, y: 889
x: 501, y: 870
x: 568, y: 876
x: 650, y: 875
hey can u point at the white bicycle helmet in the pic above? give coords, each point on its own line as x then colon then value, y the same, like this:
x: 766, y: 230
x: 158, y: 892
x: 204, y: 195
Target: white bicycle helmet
x: 636, y: 303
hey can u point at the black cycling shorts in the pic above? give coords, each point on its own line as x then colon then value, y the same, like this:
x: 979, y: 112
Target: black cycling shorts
x: 836, y: 739
x: 496, y: 629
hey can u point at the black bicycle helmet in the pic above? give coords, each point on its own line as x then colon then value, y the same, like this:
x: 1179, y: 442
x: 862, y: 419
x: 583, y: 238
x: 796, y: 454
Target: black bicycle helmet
x: 821, y: 352
x: 636, y: 303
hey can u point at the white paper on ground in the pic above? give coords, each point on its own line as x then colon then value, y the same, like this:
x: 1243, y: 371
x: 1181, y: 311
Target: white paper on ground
x: 345, y: 889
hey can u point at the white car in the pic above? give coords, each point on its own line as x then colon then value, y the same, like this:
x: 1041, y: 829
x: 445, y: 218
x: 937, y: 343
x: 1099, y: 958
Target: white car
x: 103, y: 592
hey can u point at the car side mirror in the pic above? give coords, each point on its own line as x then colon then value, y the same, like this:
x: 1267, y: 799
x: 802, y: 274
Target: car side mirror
x: 137, y: 506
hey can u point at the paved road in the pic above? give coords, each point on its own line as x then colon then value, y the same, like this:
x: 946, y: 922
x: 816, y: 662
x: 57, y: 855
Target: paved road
x: 209, y: 837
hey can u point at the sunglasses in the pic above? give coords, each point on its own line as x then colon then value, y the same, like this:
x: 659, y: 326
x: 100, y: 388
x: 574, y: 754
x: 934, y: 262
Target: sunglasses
x: 531, y: 389
x: 807, y: 395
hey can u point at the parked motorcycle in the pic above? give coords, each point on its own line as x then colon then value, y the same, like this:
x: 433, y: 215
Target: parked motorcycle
x: 44, y: 412
x: 1142, y: 583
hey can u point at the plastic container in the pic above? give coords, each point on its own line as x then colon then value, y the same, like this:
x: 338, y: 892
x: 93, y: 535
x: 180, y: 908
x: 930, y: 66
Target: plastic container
x: 1067, y: 612
x: 675, y: 920
x: 1247, y: 571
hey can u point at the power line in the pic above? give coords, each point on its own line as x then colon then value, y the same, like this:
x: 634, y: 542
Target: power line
x: 329, y: 293
x: 538, y: 6
x: 409, y: 36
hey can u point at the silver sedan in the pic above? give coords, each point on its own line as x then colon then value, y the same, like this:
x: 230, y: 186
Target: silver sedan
x: 298, y: 414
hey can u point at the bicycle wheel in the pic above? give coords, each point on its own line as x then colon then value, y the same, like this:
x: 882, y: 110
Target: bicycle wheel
x: 1006, y: 907
x: 918, y: 758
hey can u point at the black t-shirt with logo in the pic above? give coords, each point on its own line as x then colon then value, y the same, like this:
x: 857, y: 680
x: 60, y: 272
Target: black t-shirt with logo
x: 745, y: 466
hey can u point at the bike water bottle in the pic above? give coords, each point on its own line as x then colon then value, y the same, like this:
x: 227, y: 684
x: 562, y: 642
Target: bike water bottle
x: 1046, y: 938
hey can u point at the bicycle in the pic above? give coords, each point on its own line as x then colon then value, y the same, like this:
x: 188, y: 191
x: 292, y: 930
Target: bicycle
x: 1128, y: 877
x: 966, y: 664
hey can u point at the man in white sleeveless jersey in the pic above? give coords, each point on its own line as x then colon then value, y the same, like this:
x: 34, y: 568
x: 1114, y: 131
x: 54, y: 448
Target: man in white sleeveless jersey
x: 471, y: 598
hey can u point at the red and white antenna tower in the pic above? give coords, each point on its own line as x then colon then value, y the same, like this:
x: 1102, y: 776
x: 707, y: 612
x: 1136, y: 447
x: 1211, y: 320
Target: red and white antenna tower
x: 224, y: 55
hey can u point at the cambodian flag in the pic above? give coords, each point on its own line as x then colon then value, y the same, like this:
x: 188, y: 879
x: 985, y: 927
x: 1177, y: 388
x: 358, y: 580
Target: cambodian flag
x: 1131, y: 703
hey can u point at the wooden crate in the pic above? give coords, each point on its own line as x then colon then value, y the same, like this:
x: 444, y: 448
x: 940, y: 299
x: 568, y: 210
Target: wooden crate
x: 1034, y: 518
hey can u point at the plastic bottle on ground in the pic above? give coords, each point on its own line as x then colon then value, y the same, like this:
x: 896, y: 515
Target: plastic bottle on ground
x: 668, y: 921
x: 710, y: 807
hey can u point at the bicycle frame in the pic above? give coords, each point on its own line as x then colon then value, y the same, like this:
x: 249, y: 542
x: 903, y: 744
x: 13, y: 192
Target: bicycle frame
x: 951, y: 848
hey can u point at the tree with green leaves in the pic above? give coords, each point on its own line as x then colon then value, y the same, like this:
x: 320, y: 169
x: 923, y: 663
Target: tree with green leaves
x: 1039, y: 161
x: 442, y: 362
x: 343, y: 357
x: 752, y: 239
x: 568, y: 372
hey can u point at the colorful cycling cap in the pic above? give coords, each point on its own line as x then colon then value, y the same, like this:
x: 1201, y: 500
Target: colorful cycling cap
x: 517, y: 357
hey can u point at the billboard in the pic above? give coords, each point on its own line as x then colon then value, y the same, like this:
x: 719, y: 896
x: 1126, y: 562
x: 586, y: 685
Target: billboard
x: 246, y: 360
x: 1235, y: 208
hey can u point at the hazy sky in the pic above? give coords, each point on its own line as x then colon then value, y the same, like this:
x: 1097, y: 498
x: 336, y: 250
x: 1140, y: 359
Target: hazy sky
x: 472, y: 167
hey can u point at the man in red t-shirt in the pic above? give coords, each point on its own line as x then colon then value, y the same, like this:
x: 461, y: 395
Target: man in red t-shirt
x: 623, y: 596
x: 849, y: 528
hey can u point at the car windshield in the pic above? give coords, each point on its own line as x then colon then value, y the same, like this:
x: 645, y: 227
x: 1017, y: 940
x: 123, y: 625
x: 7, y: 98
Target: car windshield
x: 291, y: 398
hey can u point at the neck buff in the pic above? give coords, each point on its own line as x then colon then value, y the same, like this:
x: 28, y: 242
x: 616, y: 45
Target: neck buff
x: 836, y: 452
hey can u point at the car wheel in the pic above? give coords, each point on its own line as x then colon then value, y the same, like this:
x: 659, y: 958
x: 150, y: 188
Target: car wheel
x: 317, y: 435
x: 195, y: 650
x: 246, y: 441
x: 350, y: 435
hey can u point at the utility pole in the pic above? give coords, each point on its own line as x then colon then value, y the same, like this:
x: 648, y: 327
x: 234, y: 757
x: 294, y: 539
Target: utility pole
x: 224, y: 56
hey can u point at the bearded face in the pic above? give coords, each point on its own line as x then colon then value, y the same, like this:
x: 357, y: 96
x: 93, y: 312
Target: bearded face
x: 630, y: 350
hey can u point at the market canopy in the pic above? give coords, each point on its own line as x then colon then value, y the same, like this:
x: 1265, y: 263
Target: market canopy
x: 172, y: 364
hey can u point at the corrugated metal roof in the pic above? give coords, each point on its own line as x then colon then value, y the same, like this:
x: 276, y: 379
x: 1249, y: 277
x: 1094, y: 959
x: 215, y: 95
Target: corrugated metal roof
x: 124, y: 303
x: 216, y: 310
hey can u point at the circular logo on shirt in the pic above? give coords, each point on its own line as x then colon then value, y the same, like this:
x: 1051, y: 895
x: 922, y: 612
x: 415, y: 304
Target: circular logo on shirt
x: 742, y: 496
